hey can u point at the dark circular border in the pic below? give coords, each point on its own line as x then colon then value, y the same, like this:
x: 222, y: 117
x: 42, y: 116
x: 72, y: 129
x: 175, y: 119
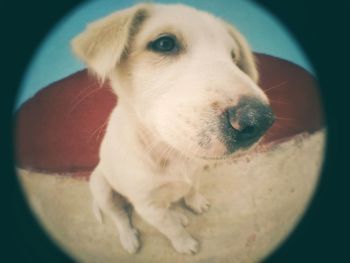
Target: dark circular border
x: 319, y: 26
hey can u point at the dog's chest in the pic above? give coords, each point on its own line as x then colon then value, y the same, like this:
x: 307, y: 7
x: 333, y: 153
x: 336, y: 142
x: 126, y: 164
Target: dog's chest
x: 168, y: 193
x: 175, y: 180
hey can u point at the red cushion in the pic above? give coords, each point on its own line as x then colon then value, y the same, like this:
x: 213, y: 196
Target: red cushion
x: 60, y: 129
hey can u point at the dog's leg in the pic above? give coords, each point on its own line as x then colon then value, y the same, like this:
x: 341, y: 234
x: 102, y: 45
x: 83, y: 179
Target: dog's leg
x: 113, y: 204
x: 163, y: 220
x: 194, y: 200
x: 180, y: 217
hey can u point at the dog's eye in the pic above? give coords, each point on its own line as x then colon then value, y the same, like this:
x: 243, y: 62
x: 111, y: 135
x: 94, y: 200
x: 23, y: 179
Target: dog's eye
x: 164, y: 44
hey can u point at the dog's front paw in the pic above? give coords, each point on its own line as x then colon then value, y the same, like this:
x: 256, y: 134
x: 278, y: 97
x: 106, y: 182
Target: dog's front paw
x: 129, y: 240
x: 197, y: 202
x: 185, y: 245
x: 180, y: 217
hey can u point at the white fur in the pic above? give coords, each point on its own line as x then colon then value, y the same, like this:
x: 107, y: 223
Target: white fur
x: 151, y: 153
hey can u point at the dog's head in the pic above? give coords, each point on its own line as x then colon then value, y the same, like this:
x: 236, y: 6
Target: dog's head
x: 189, y: 78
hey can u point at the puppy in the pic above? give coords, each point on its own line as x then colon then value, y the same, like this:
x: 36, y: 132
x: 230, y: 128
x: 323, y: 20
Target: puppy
x: 187, y: 94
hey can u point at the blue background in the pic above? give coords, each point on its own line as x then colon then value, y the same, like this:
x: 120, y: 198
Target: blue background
x: 54, y: 59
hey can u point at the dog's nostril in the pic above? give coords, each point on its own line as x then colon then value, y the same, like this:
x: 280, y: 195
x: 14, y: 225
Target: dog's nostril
x: 246, y: 131
x: 242, y: 128
x: 249, y: 130
x: 235, y: 125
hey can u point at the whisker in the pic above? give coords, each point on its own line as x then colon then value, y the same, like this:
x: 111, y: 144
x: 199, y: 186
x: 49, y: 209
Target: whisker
x: 87, y: 94
x: 284, y: 118
x: 279, y: 101
x: 277, y: 125
x: 82, y: 90
x: 98, y: 130
x: 290, y: 123
x: 276, y: 86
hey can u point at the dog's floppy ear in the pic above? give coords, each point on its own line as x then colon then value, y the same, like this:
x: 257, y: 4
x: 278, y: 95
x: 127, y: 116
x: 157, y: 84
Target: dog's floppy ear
x: 104, y: 42
x: 246, y: 60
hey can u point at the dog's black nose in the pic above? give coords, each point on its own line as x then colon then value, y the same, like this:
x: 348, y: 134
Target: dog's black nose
x: 247, y: 122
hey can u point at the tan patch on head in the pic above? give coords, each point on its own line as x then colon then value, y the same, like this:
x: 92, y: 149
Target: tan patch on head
x: 219, y: 107
x: 138, y: 20
x: 215, y: 105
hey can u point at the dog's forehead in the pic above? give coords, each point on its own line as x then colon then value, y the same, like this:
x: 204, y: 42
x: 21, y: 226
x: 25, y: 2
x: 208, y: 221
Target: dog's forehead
x: 188, y: 21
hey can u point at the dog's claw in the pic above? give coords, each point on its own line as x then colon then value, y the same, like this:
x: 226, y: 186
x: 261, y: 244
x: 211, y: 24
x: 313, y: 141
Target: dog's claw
x: 129, y: 240
x: 186, y: 245
x: 197, y: 202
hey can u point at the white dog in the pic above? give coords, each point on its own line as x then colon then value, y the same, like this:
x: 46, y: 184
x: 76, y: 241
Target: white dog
x: 186, y: 83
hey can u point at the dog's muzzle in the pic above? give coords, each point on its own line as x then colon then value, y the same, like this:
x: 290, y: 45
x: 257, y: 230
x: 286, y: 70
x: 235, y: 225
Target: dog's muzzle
x: 244, y: 124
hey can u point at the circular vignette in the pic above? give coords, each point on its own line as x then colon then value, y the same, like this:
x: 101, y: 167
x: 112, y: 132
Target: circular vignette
x: 330, y: 134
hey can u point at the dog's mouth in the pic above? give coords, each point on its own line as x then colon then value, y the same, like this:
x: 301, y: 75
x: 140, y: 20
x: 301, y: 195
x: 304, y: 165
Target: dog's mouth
x: 218, y: 143
x: 224, y: 151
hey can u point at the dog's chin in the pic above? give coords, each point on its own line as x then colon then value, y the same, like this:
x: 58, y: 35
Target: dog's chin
x: 228, y: 153
x: 209, y: 156
x: 215, y: 152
